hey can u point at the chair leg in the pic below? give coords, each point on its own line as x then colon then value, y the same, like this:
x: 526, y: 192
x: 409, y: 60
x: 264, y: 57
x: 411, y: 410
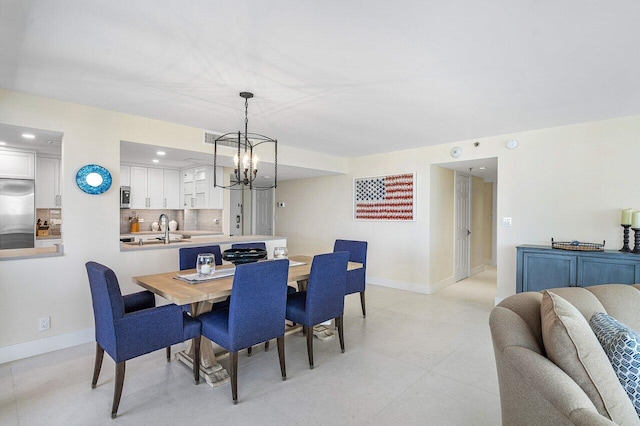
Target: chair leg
x: 233, y: 373
x: 98, y: 365
x: 340, y: 332
x: 168, y: 353
x: 309, y: 333
x: 283, y: 368
x: 117, y: 390
x: 249, y: 350
x: 364, y: 311
x: 266, y: 346
x: 196, y: 359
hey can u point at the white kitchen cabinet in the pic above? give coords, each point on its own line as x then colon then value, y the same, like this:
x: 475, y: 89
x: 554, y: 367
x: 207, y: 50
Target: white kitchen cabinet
x: 171, y: 189
x: 153, y: 188
x: 48, y: 183
x: 125, y: 175
x: 49, y: 242
x: 17, y: 164
x: 138, y: 187
x: 197, y: 188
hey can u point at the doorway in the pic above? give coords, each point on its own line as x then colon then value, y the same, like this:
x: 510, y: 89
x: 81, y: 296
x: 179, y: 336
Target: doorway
x: 251, y: 212
x: 235, y: 213
x: 462, y: 219
x: 263, y: 217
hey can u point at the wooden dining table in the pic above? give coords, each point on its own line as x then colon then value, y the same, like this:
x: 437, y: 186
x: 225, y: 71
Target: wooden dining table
x: 200, y: 297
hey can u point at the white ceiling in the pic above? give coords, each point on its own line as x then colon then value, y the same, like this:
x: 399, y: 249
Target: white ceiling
x: 342, y: 77
x: 45, y: 142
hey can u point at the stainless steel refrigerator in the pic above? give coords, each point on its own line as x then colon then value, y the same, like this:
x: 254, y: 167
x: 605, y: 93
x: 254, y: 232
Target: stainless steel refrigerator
x: 17, y: 213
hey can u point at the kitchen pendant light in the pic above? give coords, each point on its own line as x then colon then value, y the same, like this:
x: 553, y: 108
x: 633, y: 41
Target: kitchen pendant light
x: 245, y: 160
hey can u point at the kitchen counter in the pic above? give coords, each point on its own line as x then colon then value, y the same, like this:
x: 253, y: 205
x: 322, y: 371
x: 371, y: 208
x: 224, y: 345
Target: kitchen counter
x: 202, y: 240
x: 27, y: 253
x: 49, y: 237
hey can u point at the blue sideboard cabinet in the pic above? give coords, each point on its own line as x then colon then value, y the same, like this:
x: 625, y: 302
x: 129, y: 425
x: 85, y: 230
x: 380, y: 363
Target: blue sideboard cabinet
x: 541, y: 267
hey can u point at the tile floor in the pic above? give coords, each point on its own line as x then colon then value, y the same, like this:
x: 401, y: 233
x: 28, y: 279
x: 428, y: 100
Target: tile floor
x: 415, y: 359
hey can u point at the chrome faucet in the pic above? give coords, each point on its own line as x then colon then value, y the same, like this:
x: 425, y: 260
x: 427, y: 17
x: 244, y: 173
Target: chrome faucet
x: 163, y: 217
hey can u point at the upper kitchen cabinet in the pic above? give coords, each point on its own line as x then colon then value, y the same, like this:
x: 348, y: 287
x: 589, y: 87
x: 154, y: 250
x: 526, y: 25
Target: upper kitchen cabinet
x: 153, y: 188
x: 125, y: 175
x: 171, y: 189
x: 17, y: 164
x: 197, y: 188
x: 48, y: 183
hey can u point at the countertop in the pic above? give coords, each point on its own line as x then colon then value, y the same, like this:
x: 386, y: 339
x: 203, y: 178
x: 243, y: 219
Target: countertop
x: 49, y: 237
x: 178, y: 232
x: 27, y: 253
x: 214, y: 239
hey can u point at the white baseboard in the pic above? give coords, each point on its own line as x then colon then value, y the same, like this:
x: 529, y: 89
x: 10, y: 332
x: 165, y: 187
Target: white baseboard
x: 47, y: 344
x: 477, y: 270
x: 409, y: 286
x: 497, y: 300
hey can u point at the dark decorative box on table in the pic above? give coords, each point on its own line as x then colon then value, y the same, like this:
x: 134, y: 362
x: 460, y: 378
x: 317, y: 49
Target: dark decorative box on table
x: 244, y: 255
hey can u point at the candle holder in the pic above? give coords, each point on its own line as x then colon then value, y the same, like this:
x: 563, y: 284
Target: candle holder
x: 625, y: 239
x: 636, y: 236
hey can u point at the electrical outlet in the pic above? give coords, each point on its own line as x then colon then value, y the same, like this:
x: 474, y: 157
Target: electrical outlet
x: 44, y: 323
x: 281, y: 204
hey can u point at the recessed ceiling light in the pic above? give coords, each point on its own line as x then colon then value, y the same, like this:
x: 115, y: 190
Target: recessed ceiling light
x: 161, y: 153
x: 483, y: 168
x: 155, y: 160
x: 28, y: 136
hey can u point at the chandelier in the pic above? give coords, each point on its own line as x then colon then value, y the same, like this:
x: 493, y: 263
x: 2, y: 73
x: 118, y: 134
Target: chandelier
x: 245, y: 173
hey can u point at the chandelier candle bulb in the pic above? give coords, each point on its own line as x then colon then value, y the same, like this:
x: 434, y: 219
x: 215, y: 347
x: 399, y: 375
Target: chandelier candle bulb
x: 626, y: 216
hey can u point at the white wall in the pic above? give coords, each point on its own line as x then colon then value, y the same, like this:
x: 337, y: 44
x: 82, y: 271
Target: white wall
x: 567, y: 182
x: 442, y: 226
x: 58, y: 287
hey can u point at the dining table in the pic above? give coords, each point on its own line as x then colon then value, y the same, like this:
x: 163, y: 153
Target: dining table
x: 199, y: 296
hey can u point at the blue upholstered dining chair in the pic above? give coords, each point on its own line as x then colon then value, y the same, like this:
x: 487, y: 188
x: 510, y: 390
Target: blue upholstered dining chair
x: 263, y: 246
x: 189, y: 255
x: 324, y: 298
x: 128, y: 333
x: 356, y: 279
x: 255, y: 315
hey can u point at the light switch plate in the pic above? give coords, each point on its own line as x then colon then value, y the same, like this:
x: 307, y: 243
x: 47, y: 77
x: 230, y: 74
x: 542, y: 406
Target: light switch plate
x: 506, y: 221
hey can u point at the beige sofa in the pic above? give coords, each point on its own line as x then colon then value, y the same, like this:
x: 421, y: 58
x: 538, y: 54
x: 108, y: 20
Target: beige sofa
x: 536, y: 391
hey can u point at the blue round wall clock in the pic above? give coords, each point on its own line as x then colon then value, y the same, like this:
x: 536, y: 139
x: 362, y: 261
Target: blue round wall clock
x: 93, y: 179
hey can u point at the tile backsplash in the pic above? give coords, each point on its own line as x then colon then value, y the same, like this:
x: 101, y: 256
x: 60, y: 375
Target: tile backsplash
x: 188, y: 220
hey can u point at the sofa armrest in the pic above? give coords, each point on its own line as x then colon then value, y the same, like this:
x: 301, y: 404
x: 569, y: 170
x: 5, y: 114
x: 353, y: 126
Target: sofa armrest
x: 534, y: 388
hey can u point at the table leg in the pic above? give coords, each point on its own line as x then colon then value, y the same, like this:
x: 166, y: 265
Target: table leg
x: 210, y: 370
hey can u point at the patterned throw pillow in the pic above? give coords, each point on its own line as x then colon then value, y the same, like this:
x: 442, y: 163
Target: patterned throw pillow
x: 622, y: 346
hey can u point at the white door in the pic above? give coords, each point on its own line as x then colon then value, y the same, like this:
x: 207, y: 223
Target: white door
x: 463, y: 226
x: 263, y: 217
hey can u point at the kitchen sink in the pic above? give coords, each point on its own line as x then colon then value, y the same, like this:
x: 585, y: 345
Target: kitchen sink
x: 151, y: 242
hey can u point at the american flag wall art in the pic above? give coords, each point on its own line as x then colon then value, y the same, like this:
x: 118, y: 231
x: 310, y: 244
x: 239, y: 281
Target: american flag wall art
x: 389, y: 197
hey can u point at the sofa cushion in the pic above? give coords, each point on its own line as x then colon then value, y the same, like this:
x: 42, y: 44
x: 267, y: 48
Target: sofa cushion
x: 622, y: 346
x: 572, y: 345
